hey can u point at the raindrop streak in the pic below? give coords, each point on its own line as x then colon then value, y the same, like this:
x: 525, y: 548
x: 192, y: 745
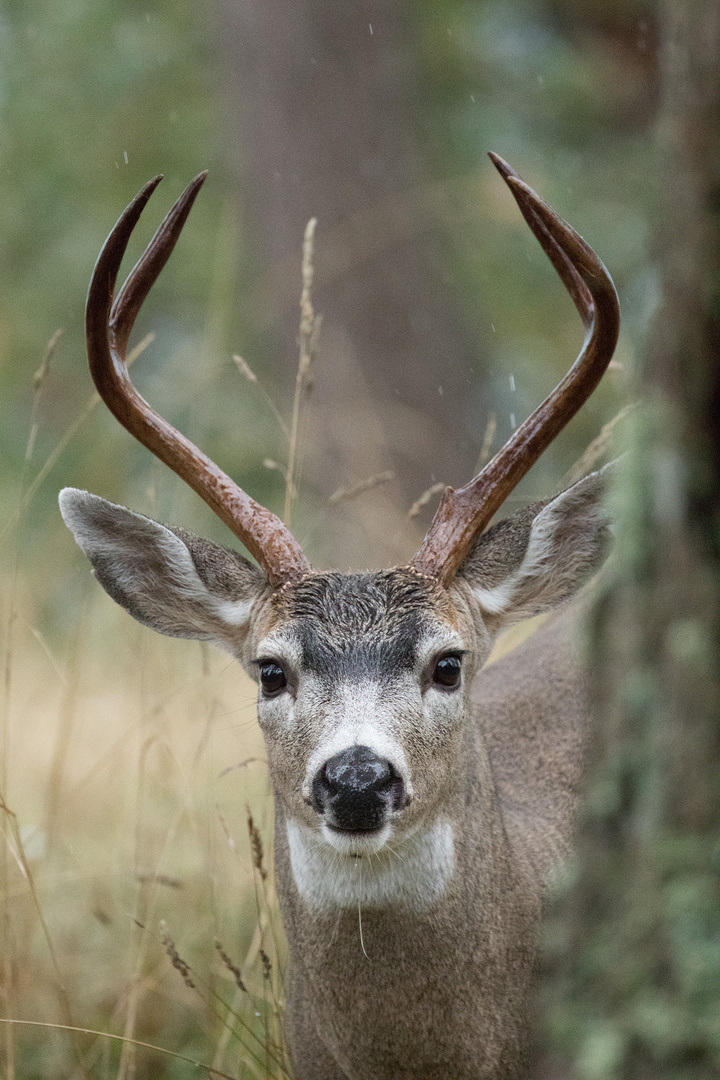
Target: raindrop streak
x: 512, y: 383
x: 513, y: 425
x: 493, y: 328
x: 370, y: 25
x: 125, y: 156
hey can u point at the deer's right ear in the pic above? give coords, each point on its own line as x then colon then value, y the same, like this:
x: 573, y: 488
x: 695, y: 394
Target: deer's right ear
x: 167, y: 579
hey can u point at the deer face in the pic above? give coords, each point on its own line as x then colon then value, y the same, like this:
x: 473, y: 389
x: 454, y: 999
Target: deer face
x: 362, y: 689
x: 363, y: 679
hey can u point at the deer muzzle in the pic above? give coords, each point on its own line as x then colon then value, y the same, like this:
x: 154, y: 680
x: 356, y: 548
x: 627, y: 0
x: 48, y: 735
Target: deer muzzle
x: 356, y: 790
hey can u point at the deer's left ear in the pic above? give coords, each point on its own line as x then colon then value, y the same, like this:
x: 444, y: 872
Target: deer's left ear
x: 538, y: 558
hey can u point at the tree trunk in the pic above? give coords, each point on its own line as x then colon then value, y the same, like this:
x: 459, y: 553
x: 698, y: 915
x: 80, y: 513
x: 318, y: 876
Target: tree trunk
x: 633, y: 987
x: 329, y: 124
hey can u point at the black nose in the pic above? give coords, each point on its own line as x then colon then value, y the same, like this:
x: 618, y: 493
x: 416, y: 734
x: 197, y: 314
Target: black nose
x: 356, y: 789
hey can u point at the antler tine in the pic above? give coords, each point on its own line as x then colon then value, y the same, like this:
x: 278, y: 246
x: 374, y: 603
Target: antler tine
x: 108, y: 326
x: 464, y: 513
x: 147, y: 269
x: 571, y: 279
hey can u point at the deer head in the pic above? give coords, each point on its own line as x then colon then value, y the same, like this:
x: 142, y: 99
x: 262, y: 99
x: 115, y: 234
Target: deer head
x: 363, y: 678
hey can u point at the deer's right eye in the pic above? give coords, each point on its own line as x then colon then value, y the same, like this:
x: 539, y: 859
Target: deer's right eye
x: 272, y: 678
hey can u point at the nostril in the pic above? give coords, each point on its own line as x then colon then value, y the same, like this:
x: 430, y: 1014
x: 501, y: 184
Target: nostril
x: 320, y: 792
x: 397, y: 788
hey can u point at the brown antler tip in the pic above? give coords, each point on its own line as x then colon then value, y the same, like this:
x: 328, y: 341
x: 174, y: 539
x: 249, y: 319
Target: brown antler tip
x: 147, y: 189
x: 501, y: 165
x: 182, y: 207
x: 194, y: 185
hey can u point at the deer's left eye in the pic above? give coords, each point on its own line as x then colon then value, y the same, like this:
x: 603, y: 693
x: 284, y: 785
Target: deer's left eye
x: 447, y: 672
x: 272, y: 678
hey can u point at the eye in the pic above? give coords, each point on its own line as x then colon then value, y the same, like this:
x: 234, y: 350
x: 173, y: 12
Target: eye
x: 272, y: 678
x: 447, y: 672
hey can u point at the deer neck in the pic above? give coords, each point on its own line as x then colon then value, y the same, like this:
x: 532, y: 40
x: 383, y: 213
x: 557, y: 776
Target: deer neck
x: 437, y: 919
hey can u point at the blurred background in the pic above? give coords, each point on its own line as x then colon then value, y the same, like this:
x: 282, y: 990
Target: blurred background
x: 443, y: 325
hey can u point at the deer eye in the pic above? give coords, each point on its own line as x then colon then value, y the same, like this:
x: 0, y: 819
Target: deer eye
x: 272, y: 678
x: 447, y: 672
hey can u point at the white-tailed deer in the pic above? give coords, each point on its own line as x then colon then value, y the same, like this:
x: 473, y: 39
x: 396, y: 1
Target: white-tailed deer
x: 420, y: 803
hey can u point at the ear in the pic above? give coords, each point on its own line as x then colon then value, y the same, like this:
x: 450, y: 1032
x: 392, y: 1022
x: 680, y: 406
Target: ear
x: 174, y: 582
x: 541, y: 556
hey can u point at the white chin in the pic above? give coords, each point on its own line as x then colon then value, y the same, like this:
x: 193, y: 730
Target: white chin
x: 357, y: 844
x: 329, y: 877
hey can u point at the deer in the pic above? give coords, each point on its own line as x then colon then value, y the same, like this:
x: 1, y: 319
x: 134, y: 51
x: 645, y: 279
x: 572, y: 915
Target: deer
x: 423, y: 801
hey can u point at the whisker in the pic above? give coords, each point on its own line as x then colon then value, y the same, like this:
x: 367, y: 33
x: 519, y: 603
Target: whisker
x: 396, y: 854
x: 362, y: 943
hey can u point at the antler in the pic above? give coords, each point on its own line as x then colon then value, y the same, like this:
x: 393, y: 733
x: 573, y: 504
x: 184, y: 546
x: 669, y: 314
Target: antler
x: 108, y: 326
x: 465, y: 512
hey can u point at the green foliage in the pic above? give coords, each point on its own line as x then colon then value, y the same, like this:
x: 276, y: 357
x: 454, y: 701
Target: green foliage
x: 633, y: 947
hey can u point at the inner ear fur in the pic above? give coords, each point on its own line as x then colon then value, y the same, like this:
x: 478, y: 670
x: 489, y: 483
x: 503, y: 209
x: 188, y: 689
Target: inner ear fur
x: 541, y: 556
x: 166, y: 578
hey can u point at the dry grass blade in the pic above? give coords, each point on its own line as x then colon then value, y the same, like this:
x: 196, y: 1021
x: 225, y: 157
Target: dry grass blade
x: 13, y: 847
x: 44, y: 370
x: 122, y: 1039
x: 232, y: 967
x: 194, y: 981
x: 144, y: 905
x: 22, y: 861
x: 31, y: 490
x: 266, y: 902
x: 63, y: 736
x: 425, y: 498
x: 256, y: 846
x: 245, y: 370
x: 596, y: 449
x: 38, y: 382
x: 344, y: 494
x: 7, y: 936
x: 176, y: 960
x: 42, y: 642
x: 309, y: 330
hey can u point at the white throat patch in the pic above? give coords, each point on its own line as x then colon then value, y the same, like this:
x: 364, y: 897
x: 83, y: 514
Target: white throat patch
x: 413, y: 873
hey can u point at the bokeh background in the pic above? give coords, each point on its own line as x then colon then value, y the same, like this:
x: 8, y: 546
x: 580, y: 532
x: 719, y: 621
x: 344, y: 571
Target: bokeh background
x: 131, y: 763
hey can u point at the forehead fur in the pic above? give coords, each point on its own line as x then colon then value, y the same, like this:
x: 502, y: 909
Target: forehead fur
x: 353, y: 623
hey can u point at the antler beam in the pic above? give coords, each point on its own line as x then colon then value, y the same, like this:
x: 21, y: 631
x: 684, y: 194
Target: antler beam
x: 108, y: 326
x: 465, y: 512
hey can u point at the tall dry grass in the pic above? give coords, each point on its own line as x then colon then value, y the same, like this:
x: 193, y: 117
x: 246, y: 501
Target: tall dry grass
x: 139, y: 927
x: 130, y: 769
